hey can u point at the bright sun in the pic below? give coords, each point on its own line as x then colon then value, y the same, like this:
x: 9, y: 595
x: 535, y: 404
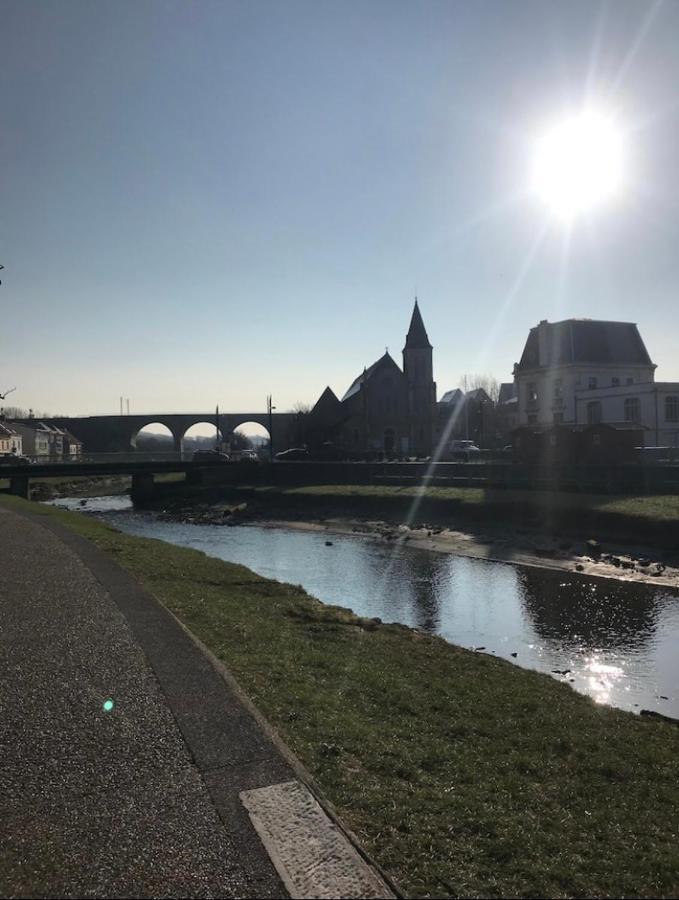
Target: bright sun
x: 578, y: 165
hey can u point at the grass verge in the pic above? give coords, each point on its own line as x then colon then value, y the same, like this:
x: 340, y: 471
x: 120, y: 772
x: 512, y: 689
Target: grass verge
x: 461, y: 774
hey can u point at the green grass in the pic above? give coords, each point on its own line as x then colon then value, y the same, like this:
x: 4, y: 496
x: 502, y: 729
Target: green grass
x: 461, y: 774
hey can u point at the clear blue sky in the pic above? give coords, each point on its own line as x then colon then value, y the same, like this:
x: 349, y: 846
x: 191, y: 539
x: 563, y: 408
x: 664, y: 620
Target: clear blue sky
x: 207, y: 202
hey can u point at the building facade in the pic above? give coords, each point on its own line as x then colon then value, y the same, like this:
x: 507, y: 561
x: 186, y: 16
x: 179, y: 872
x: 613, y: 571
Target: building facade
x: 562, y: 361
x: 653, y: 406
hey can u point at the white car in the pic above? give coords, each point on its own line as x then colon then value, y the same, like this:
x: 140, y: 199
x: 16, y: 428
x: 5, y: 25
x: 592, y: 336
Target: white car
x: 463, y: 450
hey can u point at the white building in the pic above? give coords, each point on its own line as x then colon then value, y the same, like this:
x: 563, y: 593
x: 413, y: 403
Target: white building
x: 583, y: 371
x: 10, y: 439
x: 653, y: 405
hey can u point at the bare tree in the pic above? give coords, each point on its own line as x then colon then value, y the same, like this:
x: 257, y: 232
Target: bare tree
x: 300, y: 408
x: 487, y: 382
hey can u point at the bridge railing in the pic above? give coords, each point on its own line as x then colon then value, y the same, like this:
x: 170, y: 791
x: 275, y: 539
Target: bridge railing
x: 112, y: 457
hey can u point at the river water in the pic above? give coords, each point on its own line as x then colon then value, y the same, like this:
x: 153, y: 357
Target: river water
x: 614, y: 640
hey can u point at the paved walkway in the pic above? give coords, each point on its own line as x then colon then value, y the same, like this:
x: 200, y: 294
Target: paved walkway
x: 142, y: 800
x: 97, y: 803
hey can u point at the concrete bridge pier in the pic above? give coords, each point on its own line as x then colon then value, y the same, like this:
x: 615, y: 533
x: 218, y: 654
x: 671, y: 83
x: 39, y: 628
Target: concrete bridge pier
x: 18, y: 485
x: 142, y: 486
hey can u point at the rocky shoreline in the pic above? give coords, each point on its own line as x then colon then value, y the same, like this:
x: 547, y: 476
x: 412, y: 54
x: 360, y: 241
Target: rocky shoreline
x: 528, y: 547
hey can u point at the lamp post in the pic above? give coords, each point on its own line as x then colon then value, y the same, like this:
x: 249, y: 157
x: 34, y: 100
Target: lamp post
x: 270, y: 409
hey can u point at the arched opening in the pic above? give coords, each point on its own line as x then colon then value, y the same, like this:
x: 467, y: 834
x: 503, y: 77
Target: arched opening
x: 154, y: 438
x: 201, y: 436
x: 249, y: 438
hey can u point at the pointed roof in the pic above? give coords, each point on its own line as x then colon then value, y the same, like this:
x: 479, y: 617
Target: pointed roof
x: 417, y: 339
x: 327, y: 402
x: 358, y: 383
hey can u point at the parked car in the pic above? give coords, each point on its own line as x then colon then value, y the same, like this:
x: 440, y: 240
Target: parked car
x: 215, y: 456
x: 247, y: 456
x: 463, y: 451
x: 294, y: 454
x: 11, y: 459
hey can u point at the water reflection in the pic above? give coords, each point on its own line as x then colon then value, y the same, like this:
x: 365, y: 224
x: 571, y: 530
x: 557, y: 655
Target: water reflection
x: 583, y: 612
x: 615, y: 641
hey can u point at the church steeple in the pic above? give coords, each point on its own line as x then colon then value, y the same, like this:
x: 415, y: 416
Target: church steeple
x: 417, y: 339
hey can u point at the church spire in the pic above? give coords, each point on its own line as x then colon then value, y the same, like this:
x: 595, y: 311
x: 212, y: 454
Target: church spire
x: 417, y: 339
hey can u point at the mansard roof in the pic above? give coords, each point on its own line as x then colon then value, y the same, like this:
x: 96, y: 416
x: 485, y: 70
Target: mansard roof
x: 383, y: 362
x: 586, y: 341
x: 417, y: 339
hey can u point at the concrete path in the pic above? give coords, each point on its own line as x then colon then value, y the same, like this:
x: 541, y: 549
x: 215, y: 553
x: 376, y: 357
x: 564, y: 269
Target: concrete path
x: 156, y: 796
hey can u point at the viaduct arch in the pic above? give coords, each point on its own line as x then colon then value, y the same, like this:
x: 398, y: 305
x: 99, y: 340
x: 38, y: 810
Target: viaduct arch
x: 117, y: 434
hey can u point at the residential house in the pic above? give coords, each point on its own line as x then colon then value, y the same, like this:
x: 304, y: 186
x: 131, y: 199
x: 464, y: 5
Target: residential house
x: 10, y: 439
x: 35, y: 438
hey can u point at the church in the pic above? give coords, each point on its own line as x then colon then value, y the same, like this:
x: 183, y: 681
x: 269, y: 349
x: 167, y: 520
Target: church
x: 385, y: 409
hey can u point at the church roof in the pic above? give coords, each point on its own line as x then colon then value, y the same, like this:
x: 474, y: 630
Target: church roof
x: 417, y: 339
x: 358, y: 383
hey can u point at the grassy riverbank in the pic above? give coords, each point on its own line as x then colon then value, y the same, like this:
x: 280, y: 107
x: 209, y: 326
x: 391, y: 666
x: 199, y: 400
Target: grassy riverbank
x: 461, y: 774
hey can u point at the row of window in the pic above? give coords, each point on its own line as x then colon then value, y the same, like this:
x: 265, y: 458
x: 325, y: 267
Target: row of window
x: 557, y: 386
x: 632, y: 410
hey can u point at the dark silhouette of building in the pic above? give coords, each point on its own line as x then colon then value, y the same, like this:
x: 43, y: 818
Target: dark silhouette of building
x: 385, y: 409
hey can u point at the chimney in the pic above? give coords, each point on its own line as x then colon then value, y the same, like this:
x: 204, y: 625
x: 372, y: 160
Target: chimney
x: 543, y: 356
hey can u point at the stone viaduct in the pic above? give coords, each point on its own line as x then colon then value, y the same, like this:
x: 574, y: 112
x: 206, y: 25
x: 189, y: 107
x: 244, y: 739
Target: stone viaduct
x: 109, y: 434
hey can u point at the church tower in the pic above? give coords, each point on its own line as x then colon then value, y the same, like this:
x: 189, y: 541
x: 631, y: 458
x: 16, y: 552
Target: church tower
x: 419, y: 372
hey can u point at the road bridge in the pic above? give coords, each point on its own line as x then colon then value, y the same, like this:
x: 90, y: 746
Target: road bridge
x: 106, y: 434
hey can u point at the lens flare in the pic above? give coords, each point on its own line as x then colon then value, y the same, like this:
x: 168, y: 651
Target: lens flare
x: 578, y: 164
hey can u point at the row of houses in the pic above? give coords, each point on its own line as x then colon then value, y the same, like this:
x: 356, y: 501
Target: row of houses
x: 40, y: 442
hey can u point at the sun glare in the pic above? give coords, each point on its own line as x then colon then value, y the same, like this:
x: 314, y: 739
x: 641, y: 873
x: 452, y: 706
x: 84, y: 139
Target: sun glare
x: 578, y: 165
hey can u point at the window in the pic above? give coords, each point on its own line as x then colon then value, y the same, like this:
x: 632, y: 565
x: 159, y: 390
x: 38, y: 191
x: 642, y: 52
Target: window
x: 629, y: 380
x: 532, y: 419
x: 632, y: 411
x: 615, y: 381
x: 593, y: 412
x: 558, y: 387
x: 672, y: 409
x: 591, y: 383
x: 596, y: 440
x: 558, y: 418
x: 532, y: 392
x: 552, y: 440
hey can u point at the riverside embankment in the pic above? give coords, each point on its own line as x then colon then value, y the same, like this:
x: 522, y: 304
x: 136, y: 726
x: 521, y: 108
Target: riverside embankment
x: 633, y: 538
x: 462, y: 774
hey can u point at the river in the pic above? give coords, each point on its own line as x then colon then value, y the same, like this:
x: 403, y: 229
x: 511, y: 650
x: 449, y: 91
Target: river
x: 616, y: 641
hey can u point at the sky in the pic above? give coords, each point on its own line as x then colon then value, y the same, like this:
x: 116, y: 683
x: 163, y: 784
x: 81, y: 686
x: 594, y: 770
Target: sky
x: 205, y: 203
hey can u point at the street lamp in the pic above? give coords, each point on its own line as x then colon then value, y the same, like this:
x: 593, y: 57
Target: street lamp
x: 270, y: 409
